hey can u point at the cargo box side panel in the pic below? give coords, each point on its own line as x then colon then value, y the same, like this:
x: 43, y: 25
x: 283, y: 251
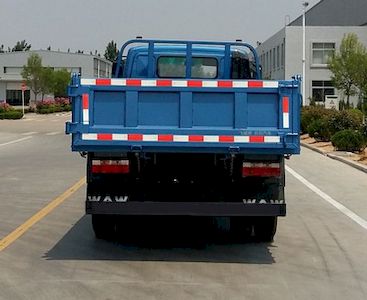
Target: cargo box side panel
x: 156, y: 109
x: 263, y: 110
x: 109, y: 108
x: 213, y: 110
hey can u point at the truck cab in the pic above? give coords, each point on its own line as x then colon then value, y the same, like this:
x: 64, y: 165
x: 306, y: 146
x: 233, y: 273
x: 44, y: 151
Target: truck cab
x: 171, y: 61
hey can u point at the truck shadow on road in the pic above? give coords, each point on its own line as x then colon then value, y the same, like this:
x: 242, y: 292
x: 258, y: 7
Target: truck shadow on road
x: 174, y: 241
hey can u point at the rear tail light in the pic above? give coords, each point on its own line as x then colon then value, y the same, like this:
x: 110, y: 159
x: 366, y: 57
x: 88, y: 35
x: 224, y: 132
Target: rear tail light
x: 260, y: 169
x: 110, y: 166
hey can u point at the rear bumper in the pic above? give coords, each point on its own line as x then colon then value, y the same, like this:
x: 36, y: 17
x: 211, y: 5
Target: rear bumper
x: 216, y: 209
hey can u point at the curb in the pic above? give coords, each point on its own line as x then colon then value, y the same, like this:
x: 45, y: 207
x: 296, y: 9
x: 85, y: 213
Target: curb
x: 338, y: 158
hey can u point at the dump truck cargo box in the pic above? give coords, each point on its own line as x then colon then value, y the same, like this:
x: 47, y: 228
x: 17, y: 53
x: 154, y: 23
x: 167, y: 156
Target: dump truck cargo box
x: 195, y: 116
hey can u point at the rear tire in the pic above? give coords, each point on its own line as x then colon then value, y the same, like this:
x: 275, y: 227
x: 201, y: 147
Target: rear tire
x: 104, y: 226
x: 265, y: 228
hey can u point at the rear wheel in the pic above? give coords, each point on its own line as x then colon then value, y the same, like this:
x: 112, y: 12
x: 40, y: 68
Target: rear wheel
x: 265, y: 228
x: 104, y: 226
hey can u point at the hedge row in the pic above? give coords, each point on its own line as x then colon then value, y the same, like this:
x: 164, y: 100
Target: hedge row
x: 345, y: 129
x: 8, y: 112
x: 53, y: 105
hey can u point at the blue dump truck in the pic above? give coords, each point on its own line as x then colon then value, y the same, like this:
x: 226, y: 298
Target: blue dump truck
x: 186, y: 128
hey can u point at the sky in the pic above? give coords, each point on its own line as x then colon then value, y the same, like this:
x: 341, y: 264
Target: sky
x: 90, y: 25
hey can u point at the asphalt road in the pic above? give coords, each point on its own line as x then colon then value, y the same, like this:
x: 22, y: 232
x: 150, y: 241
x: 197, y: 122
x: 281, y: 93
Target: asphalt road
x: 319, y: 252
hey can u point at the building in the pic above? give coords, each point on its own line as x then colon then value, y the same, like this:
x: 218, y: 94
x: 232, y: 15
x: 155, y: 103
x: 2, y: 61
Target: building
x: 11, y: 65
x: 326, y: 24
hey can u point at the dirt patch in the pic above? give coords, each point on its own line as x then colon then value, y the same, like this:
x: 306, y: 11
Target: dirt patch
x: 327, y: 147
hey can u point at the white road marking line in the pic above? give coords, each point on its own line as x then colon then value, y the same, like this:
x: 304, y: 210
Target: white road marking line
x: 29, y: 133
x: 16, y: 141
x: 346, y: 211
x: 53, y: 133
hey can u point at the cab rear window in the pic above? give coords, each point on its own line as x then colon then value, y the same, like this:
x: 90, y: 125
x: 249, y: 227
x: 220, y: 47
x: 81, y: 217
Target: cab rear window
x: 175, y: 67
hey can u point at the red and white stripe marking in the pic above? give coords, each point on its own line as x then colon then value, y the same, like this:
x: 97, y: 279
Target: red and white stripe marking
x: 285, y: 112
x: 181, y: 83
x: 237, y: 139
x: 85, y: 105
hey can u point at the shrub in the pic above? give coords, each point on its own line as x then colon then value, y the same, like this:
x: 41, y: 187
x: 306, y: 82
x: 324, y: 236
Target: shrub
x: 49, y: 106
x: 5, y: 107
x: 349, y: 140
x: 346, y: 119
x: 11, y: 114
x: 319, y: 130
x: 312, y: 113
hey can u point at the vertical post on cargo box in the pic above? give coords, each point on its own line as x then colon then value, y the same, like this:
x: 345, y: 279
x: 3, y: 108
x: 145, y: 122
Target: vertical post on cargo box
x: 188, y: 59
x: 151, y: 59
x: 227, y: 61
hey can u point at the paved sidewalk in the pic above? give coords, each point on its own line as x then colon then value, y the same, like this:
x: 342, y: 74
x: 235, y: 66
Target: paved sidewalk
x: 341, y: 156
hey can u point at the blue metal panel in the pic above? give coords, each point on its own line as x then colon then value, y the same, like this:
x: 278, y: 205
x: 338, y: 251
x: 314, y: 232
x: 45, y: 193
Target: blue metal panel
x: 109, y: 104
x: 241, y: 118
x: 213, y: 109
x: 263, y: 110
x: 159, y: 109
x: 131, y: 109
x: 186, y: 110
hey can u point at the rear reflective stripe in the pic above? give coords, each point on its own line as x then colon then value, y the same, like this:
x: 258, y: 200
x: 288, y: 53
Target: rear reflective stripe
x: 261, y: 172
x: 103, y: 81
x: 181, y: 83
x: 256, y: 139
x: 194, y: 83
x: 104, y: 136
x: 110, y: 166
x: 165, y: 137
x: 135, y: 137
x: 225, y: 84
x: 285, y: 112
x: 255, y: 84
x: 133, y: 82
x: 112, y: 169
x: 260, y: 169
x: 181, y: 138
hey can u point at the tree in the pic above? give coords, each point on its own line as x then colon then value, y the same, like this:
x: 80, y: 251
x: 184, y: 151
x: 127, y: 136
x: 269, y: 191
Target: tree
x: 344, y: 65
x: 21, y: 46
x: 360, y: 75
x: 46, y: 81
x: 32, y: 73
x: 61, y: 79
x: 2, y: 49
x: 111, y: 52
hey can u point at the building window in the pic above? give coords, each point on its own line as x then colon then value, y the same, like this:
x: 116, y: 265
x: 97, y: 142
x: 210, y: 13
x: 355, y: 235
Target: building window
x: 14, y: 97
x: 270, y: 60
x: 320, y: 89
x: 274, y: 59
x: 282, y: 56
x: 278, y: 58
x: 267, y: 63
x: 13, y: 70
x: 321, y: 52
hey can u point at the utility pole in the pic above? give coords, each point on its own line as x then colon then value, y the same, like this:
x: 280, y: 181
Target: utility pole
x: 304, y: 4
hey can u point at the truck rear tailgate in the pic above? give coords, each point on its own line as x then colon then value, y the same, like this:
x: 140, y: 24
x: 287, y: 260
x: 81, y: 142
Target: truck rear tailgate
x: 216, y: 116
